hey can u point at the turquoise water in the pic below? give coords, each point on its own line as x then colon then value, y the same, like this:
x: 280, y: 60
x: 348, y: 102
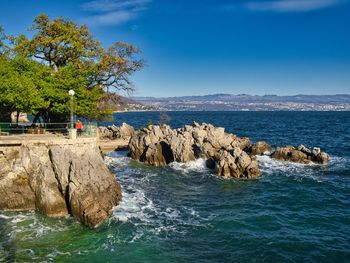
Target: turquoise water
x: 184, y: 213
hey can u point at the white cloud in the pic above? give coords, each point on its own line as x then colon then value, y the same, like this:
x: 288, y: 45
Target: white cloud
x: 112, y: 5
x: 111, y: 18
x: 113, y: 12
x: 290, y: 5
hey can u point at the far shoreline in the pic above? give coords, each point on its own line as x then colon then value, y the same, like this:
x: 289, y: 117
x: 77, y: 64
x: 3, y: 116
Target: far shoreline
x: 164, y: 110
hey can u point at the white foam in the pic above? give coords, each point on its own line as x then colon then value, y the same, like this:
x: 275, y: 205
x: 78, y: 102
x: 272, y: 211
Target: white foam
x: 137, y: 206
x: 28, y: 226
x: 192, y: 166
x: 298, y: 171
x: 56, y: 253
x: 4, y: 217
x: 134, y: 205
x: 120, y: 161
x: 339, y: 162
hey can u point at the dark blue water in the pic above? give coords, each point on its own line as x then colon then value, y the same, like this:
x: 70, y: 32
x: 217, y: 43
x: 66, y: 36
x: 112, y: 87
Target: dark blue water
x: 184, y: 213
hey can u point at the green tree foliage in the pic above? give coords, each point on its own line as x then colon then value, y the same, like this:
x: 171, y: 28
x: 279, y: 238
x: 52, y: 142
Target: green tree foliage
x: 59, y: 42
x: 62, y: 55
x: 20, y: 84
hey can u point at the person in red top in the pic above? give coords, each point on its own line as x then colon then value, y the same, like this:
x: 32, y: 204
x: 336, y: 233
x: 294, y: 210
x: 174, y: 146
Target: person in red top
x: 79, y: 126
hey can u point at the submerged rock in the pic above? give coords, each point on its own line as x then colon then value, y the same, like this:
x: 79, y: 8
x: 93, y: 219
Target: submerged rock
x: 161, y: 145
x: 300, y: 154
x: 58, y: 180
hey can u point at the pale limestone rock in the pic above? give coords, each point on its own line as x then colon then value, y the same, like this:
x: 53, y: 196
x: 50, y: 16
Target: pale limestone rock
x: 150, y: 144
x: 301, y: 154
x: 236, y: 164
x: 259, y: 148
x: 57, y: 181
x: 125, y: 131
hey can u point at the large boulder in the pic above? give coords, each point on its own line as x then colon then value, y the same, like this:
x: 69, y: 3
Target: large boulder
x: 150, y: 145
x: 259, y: 148
x: 105, y: 133
x: 58, y: 180
x: 301, y: 154
x: 238, y: 164
x: 125, y: 131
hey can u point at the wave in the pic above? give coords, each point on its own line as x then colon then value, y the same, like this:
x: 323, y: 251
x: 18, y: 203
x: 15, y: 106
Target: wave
x: 192, y: 166
x: 134, y: 205
x: 297, y: 171
x: 141, y: 205
x: 117, y: 159
x: 317, y: 172
x: 30, y: 225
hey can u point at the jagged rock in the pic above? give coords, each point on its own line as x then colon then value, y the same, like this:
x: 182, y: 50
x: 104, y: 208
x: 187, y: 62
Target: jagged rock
x: 15, y: 191
x: 105, y: 133
x: 301, y: 154
x: 125, y: 131
x: 57, y: 181
x: 259, y: 148
x: 236, y: 163
x: 158, y: 146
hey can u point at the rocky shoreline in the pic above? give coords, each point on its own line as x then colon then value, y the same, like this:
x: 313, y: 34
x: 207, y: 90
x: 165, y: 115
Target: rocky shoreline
x: 73, y: 179
x: 229, y: 155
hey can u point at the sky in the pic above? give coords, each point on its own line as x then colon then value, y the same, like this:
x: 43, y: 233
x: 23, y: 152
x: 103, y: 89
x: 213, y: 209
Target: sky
x: 199, y: 47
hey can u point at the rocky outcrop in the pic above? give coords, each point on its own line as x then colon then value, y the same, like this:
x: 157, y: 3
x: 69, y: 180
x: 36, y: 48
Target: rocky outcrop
x: 259, y: 148
x: 58, y: 180
x: 237, y: 163
x: 125, y: 131
x: 300, y: 154
x: 228, y: 154
x: 160, y: 145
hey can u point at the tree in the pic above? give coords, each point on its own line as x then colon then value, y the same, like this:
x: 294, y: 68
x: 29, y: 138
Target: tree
x: 115, y: 66
x: 19, y: 80
x: 75, y: 60
x: 2, y: 38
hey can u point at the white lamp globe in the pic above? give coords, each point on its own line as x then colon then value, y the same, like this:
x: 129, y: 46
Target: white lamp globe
x: 71, y: 92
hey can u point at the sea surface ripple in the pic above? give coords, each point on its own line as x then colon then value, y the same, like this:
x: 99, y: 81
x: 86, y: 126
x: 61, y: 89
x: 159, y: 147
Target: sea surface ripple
x: 184, y: 213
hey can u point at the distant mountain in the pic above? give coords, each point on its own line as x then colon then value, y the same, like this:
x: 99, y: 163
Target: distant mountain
x: 256, y: 98
x: 115, y: 102
x: 340, y: 102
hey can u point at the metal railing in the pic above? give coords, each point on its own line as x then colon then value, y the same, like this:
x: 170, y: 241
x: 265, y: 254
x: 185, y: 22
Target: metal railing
x: 11, y: 129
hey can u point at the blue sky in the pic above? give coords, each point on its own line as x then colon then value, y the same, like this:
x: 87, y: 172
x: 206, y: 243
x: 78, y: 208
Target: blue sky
x: 197, y: 47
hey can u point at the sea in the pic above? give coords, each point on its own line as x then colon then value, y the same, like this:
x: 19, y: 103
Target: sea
x: 185, y: 213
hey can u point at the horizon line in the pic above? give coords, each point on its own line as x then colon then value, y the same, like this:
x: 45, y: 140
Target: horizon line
x: 241, y: 94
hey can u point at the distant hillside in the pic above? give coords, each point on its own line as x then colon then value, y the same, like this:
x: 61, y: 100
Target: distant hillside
x: 120, y: 103
x: 340, y: 102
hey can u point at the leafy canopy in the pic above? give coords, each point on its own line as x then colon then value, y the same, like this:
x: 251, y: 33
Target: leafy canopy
x: 63, y: 55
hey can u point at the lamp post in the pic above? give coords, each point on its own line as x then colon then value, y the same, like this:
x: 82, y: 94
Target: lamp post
x: 71, y: 94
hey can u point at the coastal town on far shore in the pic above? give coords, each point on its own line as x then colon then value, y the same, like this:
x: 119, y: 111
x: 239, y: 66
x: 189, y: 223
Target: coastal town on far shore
x: 233, y: 103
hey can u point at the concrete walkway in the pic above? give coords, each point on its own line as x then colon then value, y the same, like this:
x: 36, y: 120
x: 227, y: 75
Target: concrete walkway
x: 53, y: 139
x: 47, y: 139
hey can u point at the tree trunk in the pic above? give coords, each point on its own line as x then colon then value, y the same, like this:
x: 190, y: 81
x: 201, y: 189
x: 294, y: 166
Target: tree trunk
x: 17, y: 117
